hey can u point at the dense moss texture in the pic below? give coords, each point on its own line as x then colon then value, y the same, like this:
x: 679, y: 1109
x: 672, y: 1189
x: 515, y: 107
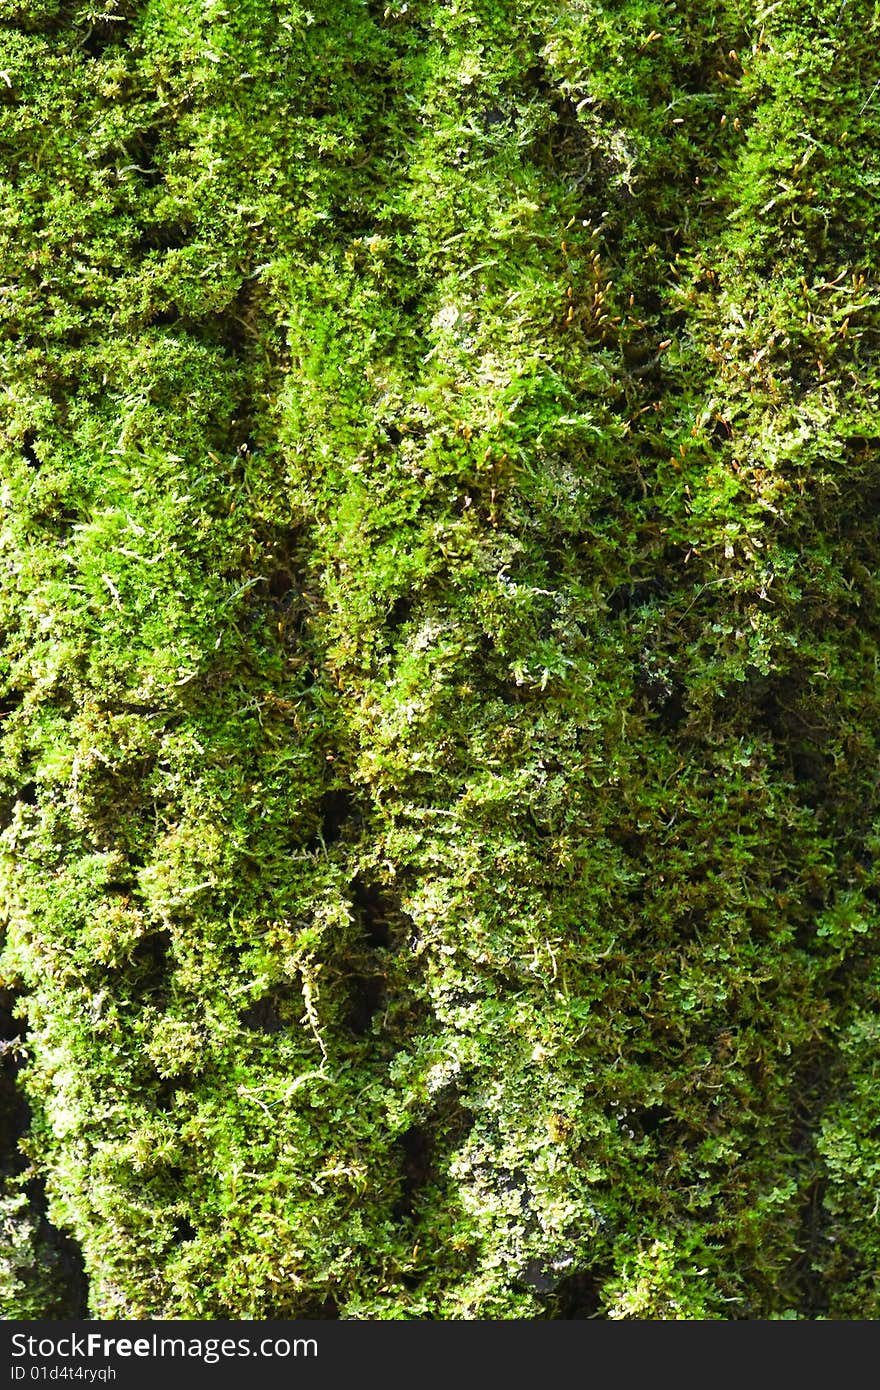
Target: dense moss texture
x: 440, y: 472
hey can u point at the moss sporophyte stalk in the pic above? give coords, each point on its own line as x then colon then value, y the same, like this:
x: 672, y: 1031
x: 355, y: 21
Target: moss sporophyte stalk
x: 438, y: 539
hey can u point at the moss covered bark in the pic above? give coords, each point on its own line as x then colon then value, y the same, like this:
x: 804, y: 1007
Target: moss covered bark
x: 439, y: 682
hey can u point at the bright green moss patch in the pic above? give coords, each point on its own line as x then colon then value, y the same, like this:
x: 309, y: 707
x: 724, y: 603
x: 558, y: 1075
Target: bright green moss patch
x: 439, y: 785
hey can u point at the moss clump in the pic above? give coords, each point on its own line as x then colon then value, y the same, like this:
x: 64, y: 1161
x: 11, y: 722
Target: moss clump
x: 439, y: 455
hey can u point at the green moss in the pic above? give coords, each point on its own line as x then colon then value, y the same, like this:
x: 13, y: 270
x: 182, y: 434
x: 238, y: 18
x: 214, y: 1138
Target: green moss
x: 439, y: 456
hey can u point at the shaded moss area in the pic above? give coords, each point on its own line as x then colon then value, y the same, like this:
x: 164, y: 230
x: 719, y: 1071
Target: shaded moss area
x: 440, y: 465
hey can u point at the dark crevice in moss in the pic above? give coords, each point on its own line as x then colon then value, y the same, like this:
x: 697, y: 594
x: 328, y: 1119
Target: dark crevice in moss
x: 14, y: 1115
x: 415, y: 1149
x: 47, y: 1261
x: 150, y: 967
x: 264, y: 1015
x: 649, y: 1120
x: 164, y: 237
x: 184, y: 1231
x: 58, y: 1285
x: 377, y: 910
x: 28, y: 440
x: 167, y: 1090
x: 422, y: 1153
x: 367, y: 995
x: 804, y: 1281
x: 637, y: 594
x: 578, y: 1295
x: 337, y: 810
x: 103, y: 36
